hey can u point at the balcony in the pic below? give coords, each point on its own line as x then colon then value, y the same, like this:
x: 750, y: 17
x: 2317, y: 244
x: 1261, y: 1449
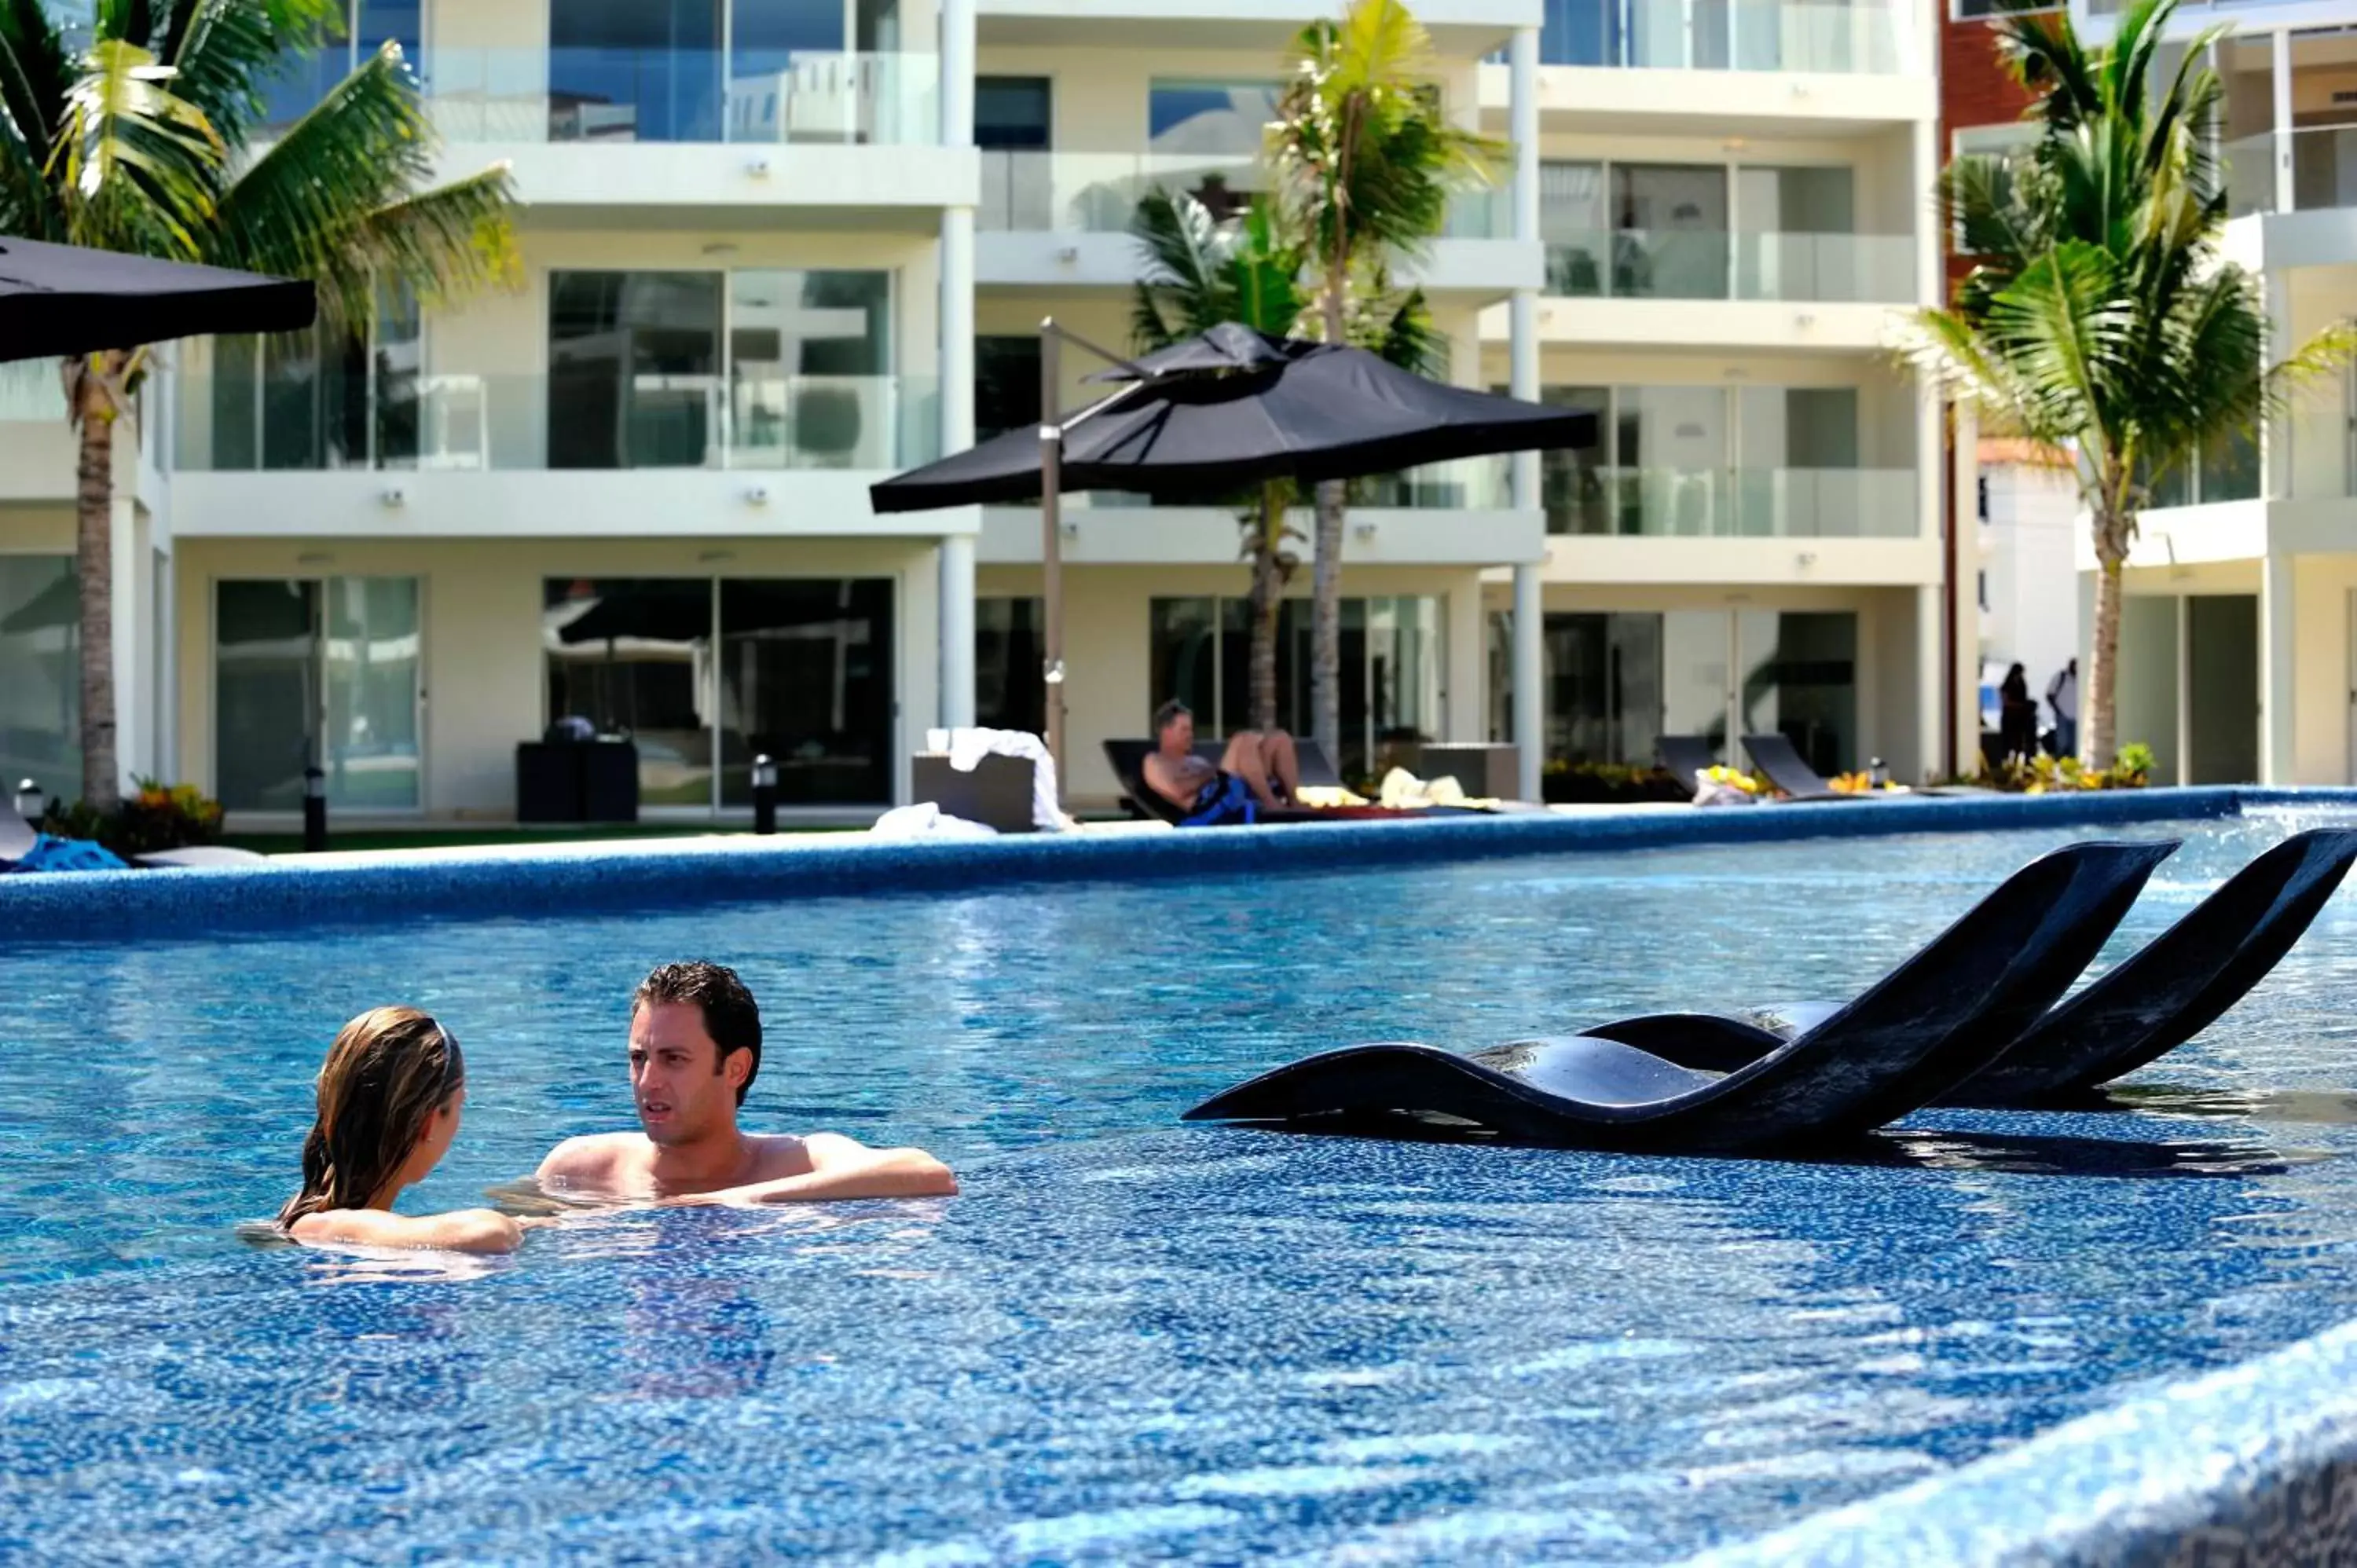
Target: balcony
x: 1466, y: 484
x: 588, y: 419
x: 563, y: 95
x: 1056, y: 217
x: 1693, y: 264
x: 1026, y: 192
x: 1733, y: 503
x: 1823, y: 35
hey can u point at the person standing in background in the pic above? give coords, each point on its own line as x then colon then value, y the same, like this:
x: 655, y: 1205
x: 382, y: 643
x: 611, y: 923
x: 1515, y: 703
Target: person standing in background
x: 2063, y: 696
x: 2017, y: 714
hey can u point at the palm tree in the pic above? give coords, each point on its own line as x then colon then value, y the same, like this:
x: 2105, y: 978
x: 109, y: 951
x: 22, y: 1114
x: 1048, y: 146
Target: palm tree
x: 2100, y: 318
x: 1364, y: 163
x: 142, y: 138
x: 1198, y: 271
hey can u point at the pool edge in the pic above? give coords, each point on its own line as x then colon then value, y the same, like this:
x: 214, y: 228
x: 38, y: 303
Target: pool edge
x: 2251, y: 1464
x: 39, y: 910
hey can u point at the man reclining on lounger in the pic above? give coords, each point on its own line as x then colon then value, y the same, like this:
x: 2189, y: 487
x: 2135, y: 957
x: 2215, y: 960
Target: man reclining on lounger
x: 695, y: 1044
x: 1258, y: 773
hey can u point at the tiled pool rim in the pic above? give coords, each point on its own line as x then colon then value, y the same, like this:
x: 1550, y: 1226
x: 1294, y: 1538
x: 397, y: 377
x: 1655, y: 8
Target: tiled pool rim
x: 2252, y: 1465
x: 150, y: 906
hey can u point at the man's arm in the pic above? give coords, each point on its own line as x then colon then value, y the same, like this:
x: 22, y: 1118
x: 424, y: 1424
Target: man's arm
x: 841, y: 1168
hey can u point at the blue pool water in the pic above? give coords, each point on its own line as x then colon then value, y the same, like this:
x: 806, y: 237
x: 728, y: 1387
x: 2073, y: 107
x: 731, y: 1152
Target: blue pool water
x: 1129, y: 1340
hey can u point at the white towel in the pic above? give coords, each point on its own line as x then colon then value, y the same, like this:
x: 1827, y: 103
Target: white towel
x: 968, y: 747
x: 927, y: 820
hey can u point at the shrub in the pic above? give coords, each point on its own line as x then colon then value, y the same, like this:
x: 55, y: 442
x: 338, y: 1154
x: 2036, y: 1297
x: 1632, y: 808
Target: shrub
x: 155, y: 816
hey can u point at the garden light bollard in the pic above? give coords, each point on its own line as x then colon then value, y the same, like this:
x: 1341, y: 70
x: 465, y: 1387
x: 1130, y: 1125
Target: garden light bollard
x: 315, y: 810
x: 765, y: 794
x: 28, y: 802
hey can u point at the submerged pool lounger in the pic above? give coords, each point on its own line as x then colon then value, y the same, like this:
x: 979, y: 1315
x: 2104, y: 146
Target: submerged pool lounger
x: 1946, y: 1014
x: 2140, y: 1010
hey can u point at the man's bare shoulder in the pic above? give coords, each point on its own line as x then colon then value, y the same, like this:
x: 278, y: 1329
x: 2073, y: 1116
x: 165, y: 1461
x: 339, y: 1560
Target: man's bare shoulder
x: 592, y: 1159
x: 780, y: 1154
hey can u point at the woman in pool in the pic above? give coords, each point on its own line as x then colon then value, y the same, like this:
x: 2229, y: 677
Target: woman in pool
x: 390, y: 1095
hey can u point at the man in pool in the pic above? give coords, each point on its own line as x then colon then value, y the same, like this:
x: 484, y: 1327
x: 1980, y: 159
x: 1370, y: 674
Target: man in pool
x: 695, y: 1044
x: 1258, y: 773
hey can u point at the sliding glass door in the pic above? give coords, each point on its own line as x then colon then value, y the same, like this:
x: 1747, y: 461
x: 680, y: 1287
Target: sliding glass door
x: 40, y: 673
x: 317, y: 671
x: 1617, y: 682
x: 705, y: 674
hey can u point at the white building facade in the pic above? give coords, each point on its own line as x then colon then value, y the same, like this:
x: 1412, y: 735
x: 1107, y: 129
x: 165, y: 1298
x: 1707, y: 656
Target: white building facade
x: 2239, y: 632
x: 775, y: 250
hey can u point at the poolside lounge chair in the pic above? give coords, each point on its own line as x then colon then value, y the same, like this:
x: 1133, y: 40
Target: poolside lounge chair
x: 1701, y: 1082
x: 1684, y: 757
x: 2161, y: 995
x: 1781, y: 763
x: 1128, y: 760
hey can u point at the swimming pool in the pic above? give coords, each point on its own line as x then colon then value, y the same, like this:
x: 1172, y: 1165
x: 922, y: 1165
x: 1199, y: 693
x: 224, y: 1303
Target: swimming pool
x: 1129, y: 1340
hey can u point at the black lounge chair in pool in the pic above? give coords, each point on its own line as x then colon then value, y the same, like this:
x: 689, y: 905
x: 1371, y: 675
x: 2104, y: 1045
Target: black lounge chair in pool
x: 1684, y: 756
x: 1700, y: 1082
x: 2142, y: 1008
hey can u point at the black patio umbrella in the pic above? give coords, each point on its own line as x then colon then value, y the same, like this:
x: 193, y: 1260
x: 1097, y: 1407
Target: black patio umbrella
x: 663, y: 610
x: 57, y: 300
x: 1212, y: 417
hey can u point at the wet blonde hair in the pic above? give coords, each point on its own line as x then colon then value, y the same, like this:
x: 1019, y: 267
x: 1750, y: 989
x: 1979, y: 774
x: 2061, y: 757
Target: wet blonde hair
x: 390, y: 1069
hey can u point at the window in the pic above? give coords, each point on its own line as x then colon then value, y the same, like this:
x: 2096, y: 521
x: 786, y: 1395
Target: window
x: 321, y: 670
x: 302, y: 78
x: 1013, y: 113
x: 1006, y: 385
x: 704, y: 71
x: 301, y: 402
x: 2007, y: 141
x: 1391, y: 668
x: 639, y: 378
x: 1008, y: 646
x: 706, y: 675
x: 1975, y: 10
x: 1205, y: 138
x: 40, y: 649
x: 1669, y: 238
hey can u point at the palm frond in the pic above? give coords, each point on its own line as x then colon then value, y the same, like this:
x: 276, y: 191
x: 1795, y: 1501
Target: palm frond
x: 337, y: 201
x: 229, y: 51
x: 134, y: 163
x: 36, y: 73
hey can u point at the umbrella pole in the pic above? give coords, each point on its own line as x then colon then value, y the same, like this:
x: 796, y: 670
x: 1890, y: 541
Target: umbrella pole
x: 1051, y: 553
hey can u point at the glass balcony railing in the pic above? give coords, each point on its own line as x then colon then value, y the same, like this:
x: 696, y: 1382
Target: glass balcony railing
x: 1876, y: 269
x: 1097, y: 193
x: 585, y: 419
x: 2323, y: 169
x: 1829, y: 36
x: 683, y: 95
x: 32, y: 393
x: 1050, y: 192
x: 1467, y: 484
x: 1728, y: 504
x: 1701, y: 264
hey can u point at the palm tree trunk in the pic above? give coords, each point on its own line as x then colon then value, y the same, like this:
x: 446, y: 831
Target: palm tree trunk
x: 94, y: 408
x: 1326, y: 572
x: 1267, y: 598
x: 2100, y: 744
